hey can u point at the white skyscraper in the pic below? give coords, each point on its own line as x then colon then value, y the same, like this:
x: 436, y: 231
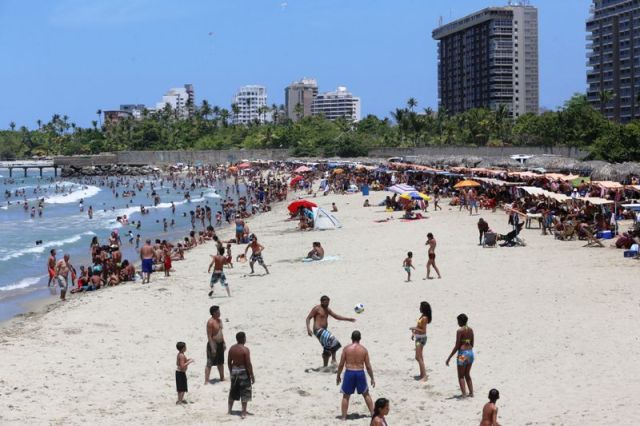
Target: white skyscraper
x: 181, y: 100
x: 250, y: 102
x: 340, y: 103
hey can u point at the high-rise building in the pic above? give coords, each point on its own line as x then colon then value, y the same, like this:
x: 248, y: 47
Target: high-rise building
x: 489, y: 59
x: 181, y: 100
x: 613, y: 73
x: 298, y: 98
x: 340, y: 103
x: 250, y: 103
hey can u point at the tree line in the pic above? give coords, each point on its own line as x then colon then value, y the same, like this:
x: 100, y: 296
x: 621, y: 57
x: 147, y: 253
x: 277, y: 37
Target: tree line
x: 576, y: 124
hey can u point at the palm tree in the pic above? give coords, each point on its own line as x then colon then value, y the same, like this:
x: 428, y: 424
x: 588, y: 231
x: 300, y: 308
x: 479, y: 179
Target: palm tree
x: 412, y: 103
x: 224, y: 116
x: 99, y: 114
x: 12, y: 125
x: 39, y: 123
x: 299, y: 111
x: 94, y: 123
x: 235, y: 109
x: 606, y: 96
x: 205, y: 109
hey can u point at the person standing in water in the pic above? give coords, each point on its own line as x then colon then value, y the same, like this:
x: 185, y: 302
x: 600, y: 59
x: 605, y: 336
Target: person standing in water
x: 464, y: 348
x: 431, y: 242
x: 419, y: 335
x: 51, y: 266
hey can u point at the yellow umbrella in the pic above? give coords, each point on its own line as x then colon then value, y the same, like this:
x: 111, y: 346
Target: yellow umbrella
x: 466, y: 184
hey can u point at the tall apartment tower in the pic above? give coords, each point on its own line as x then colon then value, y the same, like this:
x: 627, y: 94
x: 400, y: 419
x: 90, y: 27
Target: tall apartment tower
x: 333, y: 105
x: 490, y: 59
x: 250, y: 102
x: 613, y: 73
x: 298, y: 98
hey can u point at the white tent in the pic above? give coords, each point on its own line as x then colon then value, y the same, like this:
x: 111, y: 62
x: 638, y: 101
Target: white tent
x: 323, y: 220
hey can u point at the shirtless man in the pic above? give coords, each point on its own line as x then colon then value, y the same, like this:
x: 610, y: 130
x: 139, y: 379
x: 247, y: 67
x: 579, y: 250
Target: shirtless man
x: 355, y: 357
x: 317, y: 252
x: 51, y: 266
x: 431, y: 242
x: 146, y: 255
x: 241, y: 373
x: 256, y: 253
x: 215, y: 344
x: 217, y: 262
x: 62, y: 275
x: 490, y: 411
x: 320, y: 314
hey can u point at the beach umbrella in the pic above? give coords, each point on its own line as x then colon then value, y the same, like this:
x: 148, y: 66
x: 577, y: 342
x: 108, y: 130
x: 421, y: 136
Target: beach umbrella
x: 244, y: 165
x: 466, y: 184
x: 302, y: 169
x: 415, y: 195
x: 295, y: 180
x: 338, y: 171
x: 295, y: 206
x: 401, y: 188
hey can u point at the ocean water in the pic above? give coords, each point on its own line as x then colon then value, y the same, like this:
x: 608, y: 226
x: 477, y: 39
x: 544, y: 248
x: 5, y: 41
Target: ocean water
x: 23, y: 271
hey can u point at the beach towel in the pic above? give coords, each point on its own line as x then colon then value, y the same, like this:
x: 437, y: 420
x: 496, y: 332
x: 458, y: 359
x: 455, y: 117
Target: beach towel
x: 324, y: 259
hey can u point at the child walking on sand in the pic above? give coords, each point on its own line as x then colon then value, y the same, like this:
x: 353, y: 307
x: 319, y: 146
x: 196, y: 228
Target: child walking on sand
x: 182, y: 363
x: 229, y: 258
x: 408, y: 264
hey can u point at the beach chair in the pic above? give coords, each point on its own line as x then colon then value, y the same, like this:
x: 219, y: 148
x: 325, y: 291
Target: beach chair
x: 592, y: 240
x: 490, y: 240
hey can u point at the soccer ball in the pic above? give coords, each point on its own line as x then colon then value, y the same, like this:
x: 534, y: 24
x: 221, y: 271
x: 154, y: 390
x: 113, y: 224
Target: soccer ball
x: 359, y: 308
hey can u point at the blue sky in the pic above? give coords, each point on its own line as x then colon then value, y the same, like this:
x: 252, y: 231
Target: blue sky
x: 75, y: 56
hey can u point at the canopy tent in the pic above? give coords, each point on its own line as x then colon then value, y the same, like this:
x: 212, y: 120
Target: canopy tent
x: 323, y: 220
x: 494, y: 181
x: 595, y: 200
x: 401, y: 188
x: 533, y: 190
x: 293, y: 207
x: 244, y: 165
x: 608, y: 184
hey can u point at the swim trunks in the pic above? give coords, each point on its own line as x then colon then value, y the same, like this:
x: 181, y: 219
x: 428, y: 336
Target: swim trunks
x: 181, y: 381
x: 218, y: 276
x: 52, y: 273
x: 330, y: 344
x: 147, y: 266
x: 407, y: 269
x: 354, y: 379
x: 257, y: 258
x: 465, y: 357
x: 240, y: 385
x: 421, y: 339
x: 62, y: 282
x: 432, y: 256
x: 218, y: 357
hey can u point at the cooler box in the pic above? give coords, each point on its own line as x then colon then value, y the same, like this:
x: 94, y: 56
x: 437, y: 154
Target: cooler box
x: 605, y: 235
x: 630, y: 253
x: 365, y: 190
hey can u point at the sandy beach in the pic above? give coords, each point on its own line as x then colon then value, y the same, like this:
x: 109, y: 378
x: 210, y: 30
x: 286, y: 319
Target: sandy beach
x: 553, y: 326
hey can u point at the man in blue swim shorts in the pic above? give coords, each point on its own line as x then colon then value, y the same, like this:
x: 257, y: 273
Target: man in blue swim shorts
x: 355, y: 357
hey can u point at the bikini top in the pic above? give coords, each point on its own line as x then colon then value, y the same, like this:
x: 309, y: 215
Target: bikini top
x: 467, y: 341
x: 420, y: 319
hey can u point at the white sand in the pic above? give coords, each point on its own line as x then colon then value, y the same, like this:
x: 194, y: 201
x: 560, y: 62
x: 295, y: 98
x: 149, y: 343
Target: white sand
x: 555, y: 328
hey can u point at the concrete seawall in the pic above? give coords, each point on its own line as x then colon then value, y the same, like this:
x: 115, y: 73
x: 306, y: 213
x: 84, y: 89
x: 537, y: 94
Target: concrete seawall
x: 140, y: 158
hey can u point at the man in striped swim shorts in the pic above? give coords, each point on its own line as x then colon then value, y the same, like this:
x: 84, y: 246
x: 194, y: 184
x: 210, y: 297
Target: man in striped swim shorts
x: 320, y: 314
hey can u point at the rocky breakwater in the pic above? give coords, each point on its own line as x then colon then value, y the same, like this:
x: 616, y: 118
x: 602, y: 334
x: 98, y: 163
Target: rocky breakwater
x: 110, y: 170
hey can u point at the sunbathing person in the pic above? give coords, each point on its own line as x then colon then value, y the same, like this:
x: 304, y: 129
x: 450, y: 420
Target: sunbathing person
x: 317, y: 252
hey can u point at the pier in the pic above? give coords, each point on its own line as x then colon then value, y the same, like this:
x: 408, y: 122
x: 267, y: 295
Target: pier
x: 31, y: 164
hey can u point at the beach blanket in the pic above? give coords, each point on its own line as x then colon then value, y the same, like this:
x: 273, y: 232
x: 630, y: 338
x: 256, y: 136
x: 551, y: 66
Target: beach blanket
x: 324, y: 259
